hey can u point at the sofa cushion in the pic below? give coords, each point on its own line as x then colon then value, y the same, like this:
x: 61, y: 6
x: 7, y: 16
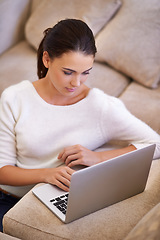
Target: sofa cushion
x: 130, y: 42
x: 144, y: 103
x: 30, y: 219
x: 95, y: 13
x: 148, y: 228
x: 107, y: 79
x: 17, y: 64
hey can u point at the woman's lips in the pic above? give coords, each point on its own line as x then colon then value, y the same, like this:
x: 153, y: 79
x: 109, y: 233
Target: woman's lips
x: 70, y: 89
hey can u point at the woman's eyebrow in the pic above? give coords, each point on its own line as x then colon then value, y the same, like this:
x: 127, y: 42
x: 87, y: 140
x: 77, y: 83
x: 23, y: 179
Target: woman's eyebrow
x: 69, y: 69
x: 88, y: 70
x: 75, y: 71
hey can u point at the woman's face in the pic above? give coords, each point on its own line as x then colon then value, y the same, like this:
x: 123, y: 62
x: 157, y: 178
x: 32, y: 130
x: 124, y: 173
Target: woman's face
x: 68, y: 72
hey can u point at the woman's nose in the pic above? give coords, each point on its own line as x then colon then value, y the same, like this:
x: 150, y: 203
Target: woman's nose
x: 75, y: 82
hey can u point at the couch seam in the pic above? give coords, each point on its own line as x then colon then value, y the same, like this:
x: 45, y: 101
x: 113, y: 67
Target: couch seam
x: 35, y: 229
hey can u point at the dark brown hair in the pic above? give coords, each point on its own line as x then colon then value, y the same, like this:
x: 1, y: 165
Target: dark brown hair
x: 67, y: 35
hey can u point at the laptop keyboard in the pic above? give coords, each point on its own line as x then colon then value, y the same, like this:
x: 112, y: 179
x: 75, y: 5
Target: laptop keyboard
x: 61, y: 202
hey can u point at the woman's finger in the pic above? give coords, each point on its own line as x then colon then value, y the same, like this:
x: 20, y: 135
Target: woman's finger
x: 67, y: 173
x: 71, y: 158
x: 76, y: 162
x: 68, y: 152
x: 61, y: 186
x: 69, y: 170
x: 70, y: 148
x: 63, y: 178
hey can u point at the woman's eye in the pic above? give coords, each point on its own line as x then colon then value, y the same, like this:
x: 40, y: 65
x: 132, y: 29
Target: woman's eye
x: 86, y: 73
x: 67, y: 73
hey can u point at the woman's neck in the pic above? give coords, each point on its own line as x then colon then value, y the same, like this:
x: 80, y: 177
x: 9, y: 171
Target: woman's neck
x: 49, y: 94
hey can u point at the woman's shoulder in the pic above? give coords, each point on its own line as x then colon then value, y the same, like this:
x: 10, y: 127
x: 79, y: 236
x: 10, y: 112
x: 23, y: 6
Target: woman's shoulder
x: 13, y: 90
x: 100, y: 96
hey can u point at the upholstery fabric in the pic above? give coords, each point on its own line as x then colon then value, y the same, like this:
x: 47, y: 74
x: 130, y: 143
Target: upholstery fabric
x: 111, y: 223
x: 34, y: 4
x: 12, y: 20
x: 148, y: 228
x: 130, y: 41
x: 144, y: 103
x: 27, y: 56
x: 21, y: 67
x: 104, y: 78
x: 7, y: 237
x: 95, y: 13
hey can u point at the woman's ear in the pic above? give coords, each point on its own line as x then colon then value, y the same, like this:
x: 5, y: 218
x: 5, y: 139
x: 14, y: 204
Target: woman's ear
x: 46, y: 59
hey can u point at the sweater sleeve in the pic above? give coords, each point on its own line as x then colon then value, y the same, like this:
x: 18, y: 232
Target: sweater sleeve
x: 119, y: 124
x: 7, y: 133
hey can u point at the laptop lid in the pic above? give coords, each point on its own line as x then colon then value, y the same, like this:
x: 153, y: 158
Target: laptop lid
x: 101, y: 185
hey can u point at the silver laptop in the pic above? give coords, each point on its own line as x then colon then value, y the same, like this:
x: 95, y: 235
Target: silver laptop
x: 99, y: 186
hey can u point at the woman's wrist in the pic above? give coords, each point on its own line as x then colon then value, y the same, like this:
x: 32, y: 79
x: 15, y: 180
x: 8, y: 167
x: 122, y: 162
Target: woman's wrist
x: 106, y: 155
x: 15, y: 176
x: 45, y: 174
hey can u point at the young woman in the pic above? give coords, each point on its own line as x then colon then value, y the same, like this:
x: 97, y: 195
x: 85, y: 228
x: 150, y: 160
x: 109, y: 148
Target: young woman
x: 56, y: 122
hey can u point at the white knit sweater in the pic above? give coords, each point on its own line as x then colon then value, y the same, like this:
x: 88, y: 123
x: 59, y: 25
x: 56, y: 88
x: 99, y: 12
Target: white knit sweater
x: 33, y: 132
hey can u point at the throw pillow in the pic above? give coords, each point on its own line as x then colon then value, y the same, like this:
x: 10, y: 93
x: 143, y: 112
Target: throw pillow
x: 96, y: 13
x: 131, y: 41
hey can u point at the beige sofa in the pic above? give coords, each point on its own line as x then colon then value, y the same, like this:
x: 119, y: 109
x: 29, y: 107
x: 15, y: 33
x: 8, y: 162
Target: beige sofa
x: 127, y: 66
x: 4, y: 236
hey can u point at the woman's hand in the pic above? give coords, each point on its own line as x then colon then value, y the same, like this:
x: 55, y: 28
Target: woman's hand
x: 60, y: 176
x: 79, y: 155
x: 15, y: 176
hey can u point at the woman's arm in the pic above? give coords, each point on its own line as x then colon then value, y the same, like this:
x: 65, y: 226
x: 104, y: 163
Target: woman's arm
x: 117, y: 124
x: 79, y: 155
x: 124, y: 126
x: 10, y: 112
x: 15, y: 176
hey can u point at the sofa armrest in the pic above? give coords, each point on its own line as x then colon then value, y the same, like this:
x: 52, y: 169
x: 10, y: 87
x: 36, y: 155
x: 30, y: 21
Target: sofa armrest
x: 4, y: 236
x: 30, y: 219
x: 13, y: 15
